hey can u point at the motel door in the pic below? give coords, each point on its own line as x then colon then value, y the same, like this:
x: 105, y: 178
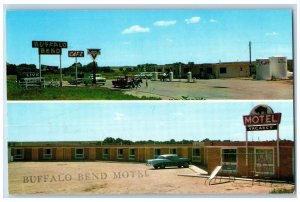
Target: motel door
x: 264, y: 161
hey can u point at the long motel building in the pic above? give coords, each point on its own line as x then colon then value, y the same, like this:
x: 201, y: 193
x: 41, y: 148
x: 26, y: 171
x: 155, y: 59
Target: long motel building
x: 236, y: 158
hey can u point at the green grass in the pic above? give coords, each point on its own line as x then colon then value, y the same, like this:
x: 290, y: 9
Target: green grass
x: 16, y: 92
x: 282, y: 191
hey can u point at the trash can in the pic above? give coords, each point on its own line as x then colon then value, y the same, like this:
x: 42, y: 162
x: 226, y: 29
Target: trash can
x: 171, y: 76
x: 189, y: 77
x: 155, y: 76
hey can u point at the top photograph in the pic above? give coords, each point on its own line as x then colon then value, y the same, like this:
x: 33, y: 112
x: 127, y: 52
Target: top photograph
x: 159, y: 54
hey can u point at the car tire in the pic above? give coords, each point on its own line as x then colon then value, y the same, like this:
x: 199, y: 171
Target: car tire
x: 179, y: 166
x: 162, y: 166
x: 155, y: 167
x: 186, y: 165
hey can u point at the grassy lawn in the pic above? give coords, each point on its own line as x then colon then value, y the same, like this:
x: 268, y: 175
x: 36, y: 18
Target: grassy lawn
x: 16, y: 92
x: 282, y: 191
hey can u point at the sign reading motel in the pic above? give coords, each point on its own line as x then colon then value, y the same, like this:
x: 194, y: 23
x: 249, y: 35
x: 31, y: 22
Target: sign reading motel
x: 262, y: 119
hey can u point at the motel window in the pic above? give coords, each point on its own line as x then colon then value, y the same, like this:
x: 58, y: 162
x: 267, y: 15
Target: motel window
x: 131, y: 154
x: 173, y: 151
x: 47, y: 154
x: 19, y: 154
x: 223, y: 70
x: 196, y: 154
x: 157, y: 153
x: 105, y: 153
x: 229, y: 160
x: 120, y: 153
x: 264, y: 162
x: 79, y: 153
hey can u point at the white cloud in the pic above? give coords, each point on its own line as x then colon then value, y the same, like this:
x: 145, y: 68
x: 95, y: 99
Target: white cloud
x: 135, y: 29
x: 119, y: 116
x: 272, y: 34
x: 193, y: 20
x: 213, y: 20
x: 164, y: 23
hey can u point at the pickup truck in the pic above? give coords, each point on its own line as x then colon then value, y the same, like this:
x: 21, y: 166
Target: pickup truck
x: 166, y: 160
x: 123, y: 82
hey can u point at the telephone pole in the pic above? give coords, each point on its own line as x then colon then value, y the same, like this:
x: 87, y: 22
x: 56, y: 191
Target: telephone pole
x: 250, y: 52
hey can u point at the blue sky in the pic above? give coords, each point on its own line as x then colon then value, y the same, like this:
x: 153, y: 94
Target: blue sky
x: 89, y: 121
x: 131, y: 37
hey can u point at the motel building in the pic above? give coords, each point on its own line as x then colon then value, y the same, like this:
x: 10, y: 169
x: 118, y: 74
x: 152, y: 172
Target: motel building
x: 262, y: 156
x: 269, y: 159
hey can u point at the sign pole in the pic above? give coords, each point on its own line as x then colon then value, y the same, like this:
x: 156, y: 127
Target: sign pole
x: 278, y: 153
x: 60, y: 70
x: 246, y: 148
x: 94, y: 72
x: 94, y: 53
x: 76, y: 69
x: 40, y: 66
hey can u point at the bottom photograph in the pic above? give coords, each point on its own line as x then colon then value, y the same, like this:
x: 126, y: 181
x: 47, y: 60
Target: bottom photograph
x: 150, y: 148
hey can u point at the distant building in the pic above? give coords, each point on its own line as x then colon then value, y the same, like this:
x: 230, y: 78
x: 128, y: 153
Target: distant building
x: 209, y: 70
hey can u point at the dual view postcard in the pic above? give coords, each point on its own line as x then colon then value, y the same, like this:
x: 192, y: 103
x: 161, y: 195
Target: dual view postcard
x: 156, y: 102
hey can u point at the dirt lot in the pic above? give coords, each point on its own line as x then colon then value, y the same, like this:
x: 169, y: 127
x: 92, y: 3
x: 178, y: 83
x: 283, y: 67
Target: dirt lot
x: 119, y: 178
x: 236, y: 88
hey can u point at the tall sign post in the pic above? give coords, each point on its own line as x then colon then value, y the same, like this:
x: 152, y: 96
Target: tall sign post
x: 50, y: 48
x: 262, y: 118
x: 76, y: 54
x: 94, y: 52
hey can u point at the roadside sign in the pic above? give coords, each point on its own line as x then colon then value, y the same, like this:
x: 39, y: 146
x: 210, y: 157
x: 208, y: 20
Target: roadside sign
x: 73, y: 53
x: 264, y: 127
x: 263, y: 119
x: 49, y: 44
x: 94, y: 53
x: 50, y: 51
x: 50, y: 48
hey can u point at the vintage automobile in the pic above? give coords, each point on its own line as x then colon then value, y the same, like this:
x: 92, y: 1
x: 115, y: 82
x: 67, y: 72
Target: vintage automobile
x: 99, y: 79
x: 167, y: 160
x: 127, y: 82
x: 144, y: 75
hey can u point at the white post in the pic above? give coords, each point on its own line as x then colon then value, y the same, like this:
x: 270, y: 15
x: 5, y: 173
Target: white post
x: 278, y: 153
x: 76, y: 70
x: 246, y: 147
x: 40, y: 67
x: 60, y: 70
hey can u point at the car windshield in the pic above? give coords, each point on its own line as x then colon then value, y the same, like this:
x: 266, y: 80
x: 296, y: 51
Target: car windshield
x: 161, y: 157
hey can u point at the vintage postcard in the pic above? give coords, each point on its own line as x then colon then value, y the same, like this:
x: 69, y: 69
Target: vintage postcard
x: 190, y: 54
x: 211, y: 108
x: 161, y: 148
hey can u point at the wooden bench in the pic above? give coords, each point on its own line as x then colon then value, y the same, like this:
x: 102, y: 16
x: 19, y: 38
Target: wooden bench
x: 33, y: 82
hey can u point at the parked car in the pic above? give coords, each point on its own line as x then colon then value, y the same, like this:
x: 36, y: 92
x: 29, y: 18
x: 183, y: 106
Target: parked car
x: 167, y: 160
x: 144, y: 75
x: 99, y: 79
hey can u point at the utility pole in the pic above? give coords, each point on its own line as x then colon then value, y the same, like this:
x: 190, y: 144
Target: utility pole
x: 250, y: 51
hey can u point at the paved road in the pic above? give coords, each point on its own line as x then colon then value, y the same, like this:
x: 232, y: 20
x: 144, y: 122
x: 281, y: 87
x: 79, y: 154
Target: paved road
x: 213, y: 89
x: 241, y: 89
